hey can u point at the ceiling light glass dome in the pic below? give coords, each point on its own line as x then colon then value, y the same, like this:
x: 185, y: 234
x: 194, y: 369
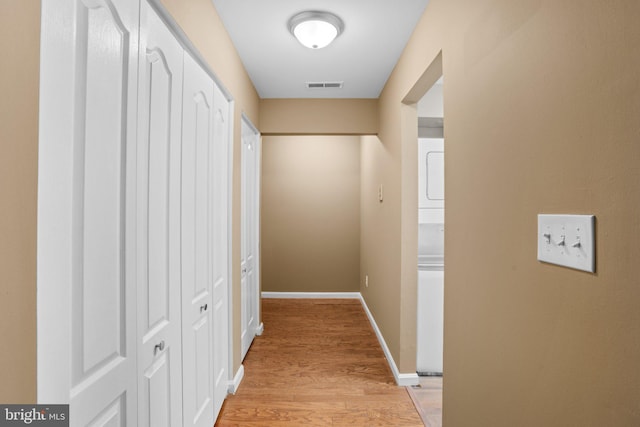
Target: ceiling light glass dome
x: 314, y: 29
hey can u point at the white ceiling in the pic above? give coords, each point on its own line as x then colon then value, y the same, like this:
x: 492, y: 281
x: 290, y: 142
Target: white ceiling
x: 363, y: 56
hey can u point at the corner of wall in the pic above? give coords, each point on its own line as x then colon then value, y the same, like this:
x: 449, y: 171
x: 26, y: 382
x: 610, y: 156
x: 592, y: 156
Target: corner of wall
x: 19, y: 83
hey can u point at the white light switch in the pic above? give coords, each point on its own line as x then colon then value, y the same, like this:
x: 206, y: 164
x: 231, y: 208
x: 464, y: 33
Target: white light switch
x: 567, y: 240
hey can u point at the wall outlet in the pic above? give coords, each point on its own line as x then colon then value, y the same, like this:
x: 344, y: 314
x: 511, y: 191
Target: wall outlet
x: 567, y: 240
x: 366, y: 281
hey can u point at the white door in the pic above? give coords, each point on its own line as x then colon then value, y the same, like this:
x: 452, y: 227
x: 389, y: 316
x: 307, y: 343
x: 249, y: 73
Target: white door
x: 197, y: 133
x: 221, y: 236
x: 158, y: 227
x: 249, y: 264
x: 86, y: 210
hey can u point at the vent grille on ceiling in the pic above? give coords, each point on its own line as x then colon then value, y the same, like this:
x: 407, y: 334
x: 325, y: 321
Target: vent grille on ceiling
x: 324, y: 85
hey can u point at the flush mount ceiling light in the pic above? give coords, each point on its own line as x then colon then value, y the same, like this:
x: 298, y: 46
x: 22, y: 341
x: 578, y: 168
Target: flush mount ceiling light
x: 314, y: 29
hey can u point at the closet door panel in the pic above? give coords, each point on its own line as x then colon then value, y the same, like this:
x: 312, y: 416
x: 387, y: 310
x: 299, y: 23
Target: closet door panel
x: 103, y: 310
x: 99, y: 192
x: 86, y: 274
x: 156, y: 394
x: 197, y: 128
x: 158, y: 201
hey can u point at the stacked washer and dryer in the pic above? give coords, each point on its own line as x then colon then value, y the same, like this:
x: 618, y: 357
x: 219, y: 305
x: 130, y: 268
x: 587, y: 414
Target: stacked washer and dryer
x: 430, y: 321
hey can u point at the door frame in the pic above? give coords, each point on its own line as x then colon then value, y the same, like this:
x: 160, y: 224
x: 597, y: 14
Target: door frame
x: 53, y: 248
x: 409, y: 135
x: 248, y: 127
x: 230, y: 136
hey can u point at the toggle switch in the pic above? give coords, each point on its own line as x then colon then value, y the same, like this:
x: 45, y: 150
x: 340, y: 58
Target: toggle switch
x: 567, y: 240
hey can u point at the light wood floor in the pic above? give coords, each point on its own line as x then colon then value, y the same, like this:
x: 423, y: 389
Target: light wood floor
x: 428, y: 400
x: 318, y: 363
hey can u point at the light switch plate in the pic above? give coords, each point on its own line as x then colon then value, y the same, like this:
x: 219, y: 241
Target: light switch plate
x: 567, y: 240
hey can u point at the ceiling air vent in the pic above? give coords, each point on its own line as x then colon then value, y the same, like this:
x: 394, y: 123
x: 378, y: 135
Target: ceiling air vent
x: 324, y: 85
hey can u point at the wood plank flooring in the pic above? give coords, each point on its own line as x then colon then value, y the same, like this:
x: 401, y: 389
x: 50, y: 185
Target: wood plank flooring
x: 318, y: 363
x: 427, y: 398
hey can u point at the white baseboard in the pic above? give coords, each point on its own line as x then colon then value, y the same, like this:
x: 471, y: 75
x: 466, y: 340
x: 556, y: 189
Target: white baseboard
x: 237, y: 379
x: 401, y: 379
x: 319, y: 295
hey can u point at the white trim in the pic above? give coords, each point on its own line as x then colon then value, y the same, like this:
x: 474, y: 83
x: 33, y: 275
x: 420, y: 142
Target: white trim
x: 187, y: 44
x: 401, y: 379
x: 258, y: 244
x: 237, y: 379
x: 407, y: 380
x: 55, y: 184
x: 230, y: 337
x: 315, y: 295
x: 249, y: 123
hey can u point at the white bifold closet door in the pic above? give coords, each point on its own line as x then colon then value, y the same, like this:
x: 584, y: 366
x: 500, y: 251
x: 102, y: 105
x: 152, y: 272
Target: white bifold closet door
x: 197, y: 250
x: 133, y: 220
x: 183, y: 197
x: 86, y: 210
x: 158, y: 224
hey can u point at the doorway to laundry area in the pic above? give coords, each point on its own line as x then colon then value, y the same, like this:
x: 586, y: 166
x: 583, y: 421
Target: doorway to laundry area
x: 423, y: 133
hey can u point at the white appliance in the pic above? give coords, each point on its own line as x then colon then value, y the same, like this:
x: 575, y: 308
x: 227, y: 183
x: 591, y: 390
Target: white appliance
x: 430, y: 313
x: 431, y: 173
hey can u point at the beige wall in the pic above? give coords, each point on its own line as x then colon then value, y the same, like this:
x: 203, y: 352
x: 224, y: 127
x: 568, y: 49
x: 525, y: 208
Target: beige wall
x: 310, y: 213
x: 379, y: 243
x: 201, y: 23
x: 319, y: 116
x: 542, y: 102
x: 19, y: 74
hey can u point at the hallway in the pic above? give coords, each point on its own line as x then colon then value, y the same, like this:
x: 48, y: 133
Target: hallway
x: 318, y: 363
x: 542, y: 101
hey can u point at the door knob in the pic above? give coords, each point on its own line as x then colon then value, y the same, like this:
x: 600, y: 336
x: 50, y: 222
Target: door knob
x: 158, y: 347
